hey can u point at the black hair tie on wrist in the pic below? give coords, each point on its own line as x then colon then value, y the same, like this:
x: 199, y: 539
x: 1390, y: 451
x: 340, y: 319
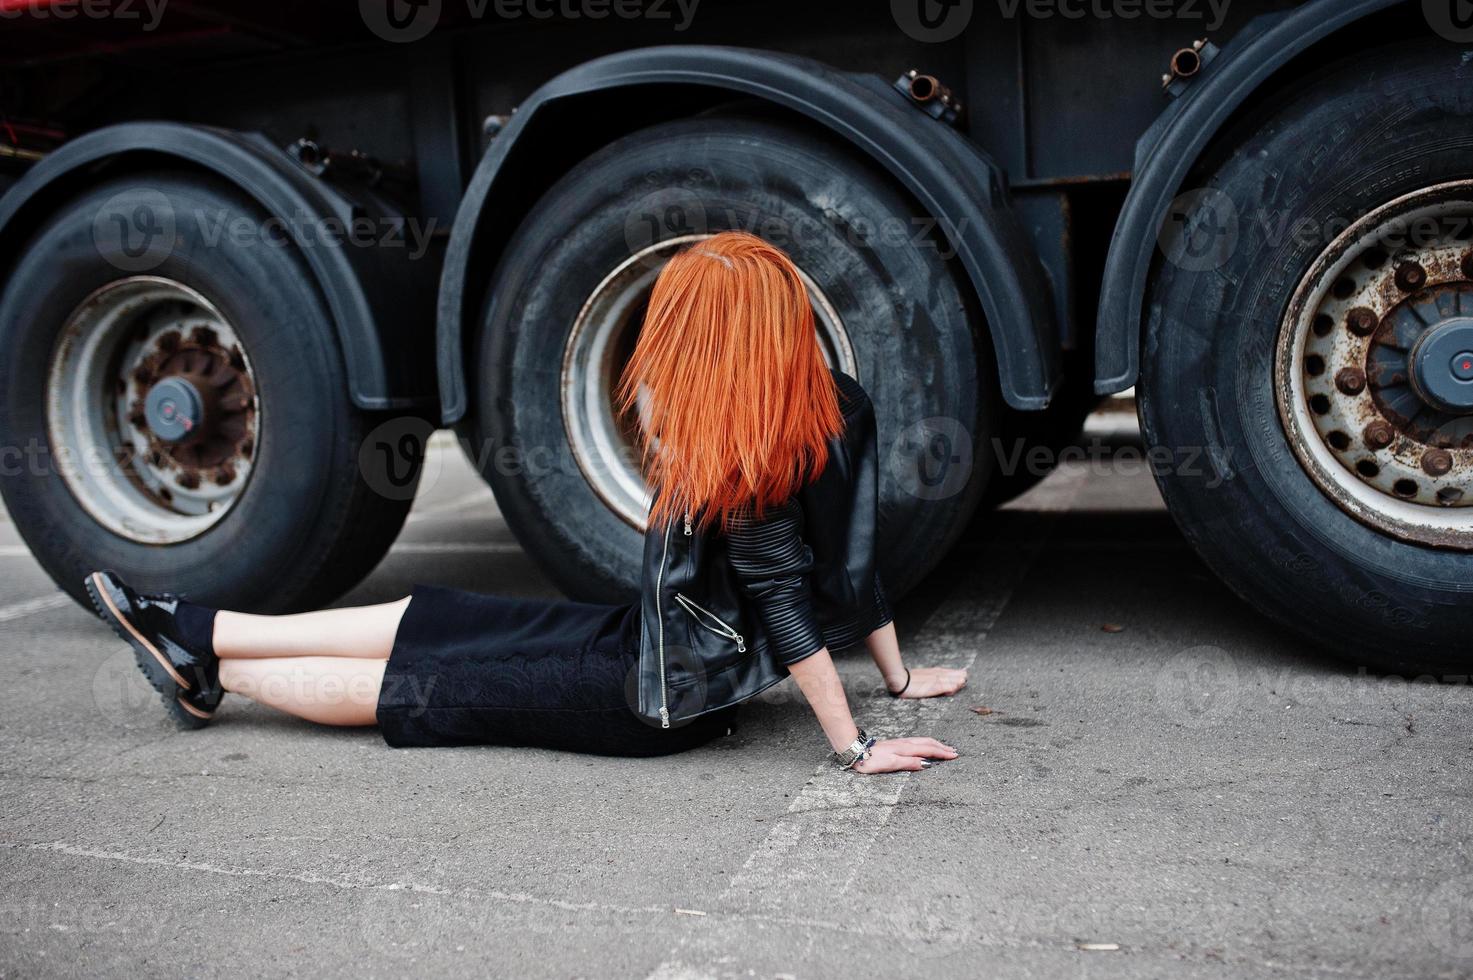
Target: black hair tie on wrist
x: 896, y: 694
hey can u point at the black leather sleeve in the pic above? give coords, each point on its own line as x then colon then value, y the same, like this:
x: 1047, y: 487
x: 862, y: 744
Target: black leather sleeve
x: 772, y: 563
x: 882, y: 605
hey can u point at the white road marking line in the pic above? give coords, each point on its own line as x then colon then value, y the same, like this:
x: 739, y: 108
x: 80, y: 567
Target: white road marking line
x: 30, y: 606
x: 456, y: 548
x: 411, y: 887
x: 680, y: 971
x: 837, y: 816
x: 330, y: 881
x: 14, y: 551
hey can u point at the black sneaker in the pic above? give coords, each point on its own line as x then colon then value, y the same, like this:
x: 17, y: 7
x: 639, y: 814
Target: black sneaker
x: 188, y: 678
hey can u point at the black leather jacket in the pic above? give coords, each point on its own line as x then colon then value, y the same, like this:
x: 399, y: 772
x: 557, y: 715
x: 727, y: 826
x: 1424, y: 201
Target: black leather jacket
x: 725, y: 613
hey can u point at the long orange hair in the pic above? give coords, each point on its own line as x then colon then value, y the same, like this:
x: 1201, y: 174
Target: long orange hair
x: 736, y: 402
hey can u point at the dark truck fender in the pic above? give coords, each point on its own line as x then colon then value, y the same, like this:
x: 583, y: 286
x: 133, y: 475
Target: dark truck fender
x: 588, y: 106
x: 368, y: 289
x: 1167, y: 151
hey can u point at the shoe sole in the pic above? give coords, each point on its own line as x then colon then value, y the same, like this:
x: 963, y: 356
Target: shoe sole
x: 149, y: 658
x: 196, y: 712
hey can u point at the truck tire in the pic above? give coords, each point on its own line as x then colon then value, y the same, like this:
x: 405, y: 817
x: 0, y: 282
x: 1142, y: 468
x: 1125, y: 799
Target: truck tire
x: 175, y: 405
x: 566, y: 300
x: 1297, y: 373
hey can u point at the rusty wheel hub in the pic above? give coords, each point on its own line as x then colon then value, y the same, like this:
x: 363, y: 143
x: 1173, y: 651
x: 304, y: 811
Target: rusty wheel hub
x: 197, y: 408
x: 1375, y: 368
x: 152, y: 398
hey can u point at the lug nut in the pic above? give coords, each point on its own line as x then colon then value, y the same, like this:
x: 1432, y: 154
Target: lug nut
x: 1410, y: 276
x: 1437, y: 462
x: 1351, y: 380
x: 1379, y: 434
x: 1361, y: 321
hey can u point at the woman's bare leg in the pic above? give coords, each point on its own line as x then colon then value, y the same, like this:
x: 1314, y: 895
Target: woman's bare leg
x: 330, y: 690
x: 361, y: 632
x: 325, y: 666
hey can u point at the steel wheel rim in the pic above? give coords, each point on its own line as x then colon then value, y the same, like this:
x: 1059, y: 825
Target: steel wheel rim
x: 1357, y: 420
x: 152, y: 410
x: 596, y: 350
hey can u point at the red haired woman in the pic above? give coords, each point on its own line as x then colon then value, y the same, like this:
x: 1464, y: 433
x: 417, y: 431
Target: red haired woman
x: 759, y: 558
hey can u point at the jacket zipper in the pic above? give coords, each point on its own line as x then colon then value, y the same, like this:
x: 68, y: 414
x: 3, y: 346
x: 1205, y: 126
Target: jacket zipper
x: 706, y: 618
x: 660, y: 619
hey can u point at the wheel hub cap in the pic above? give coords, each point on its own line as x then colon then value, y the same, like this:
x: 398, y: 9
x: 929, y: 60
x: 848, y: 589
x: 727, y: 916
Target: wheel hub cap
x: 174, y: 410
x: 1442, y: 366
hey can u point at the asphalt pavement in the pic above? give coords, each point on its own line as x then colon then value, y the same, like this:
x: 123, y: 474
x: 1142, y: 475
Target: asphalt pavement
x: 1154, y: 782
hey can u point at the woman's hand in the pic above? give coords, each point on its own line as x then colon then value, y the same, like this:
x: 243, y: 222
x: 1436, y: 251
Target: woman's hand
x: 934, y: 682
x: 903, y: 755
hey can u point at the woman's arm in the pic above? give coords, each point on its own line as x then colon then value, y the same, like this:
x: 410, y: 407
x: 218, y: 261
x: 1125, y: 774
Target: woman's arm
x: 820, y: 684
x: 884, y: 647
x: 923, y: 682
x: 772, y: 563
